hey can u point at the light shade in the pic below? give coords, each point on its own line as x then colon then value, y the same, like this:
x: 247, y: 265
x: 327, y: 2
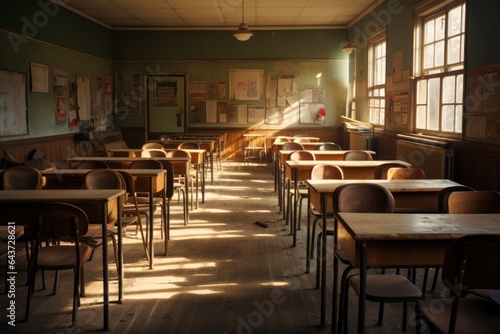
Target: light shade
x: 243, y: 34
x: 348, y: 48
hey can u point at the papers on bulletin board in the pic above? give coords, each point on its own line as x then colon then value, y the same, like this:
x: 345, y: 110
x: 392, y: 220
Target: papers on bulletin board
x: 83, y: 102
x: 60, y: 91
x: 255, y: 113
x: 246, y: 84
x: 13, y: 107
x: 39, y: 78
x: 238, y: 113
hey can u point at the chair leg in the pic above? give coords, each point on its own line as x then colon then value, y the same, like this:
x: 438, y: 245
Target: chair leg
x: 318, y: 260
x: 380, y: 321
x: 56, y: 277
x: 435, y: 279
x: 343, y: 304
x: 313, y: 235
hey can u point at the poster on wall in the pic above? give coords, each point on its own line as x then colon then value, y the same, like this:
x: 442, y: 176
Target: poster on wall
x: 312, y: 105
x: 281, y: 98
x: 60, y: 92
x: 217, y: 90
x: 13, y: 105
x: 196, y: 112
x: 83, y: 102
x: 165, y: 94
x: 256, y: 113
x: 246, y: 84
x: 128, y: 93
x: 39, y: 78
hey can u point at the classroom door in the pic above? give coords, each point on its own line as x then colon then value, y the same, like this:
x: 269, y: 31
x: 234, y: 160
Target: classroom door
x: 166, y: 104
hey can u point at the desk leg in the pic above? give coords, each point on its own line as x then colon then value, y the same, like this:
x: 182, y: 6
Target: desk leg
x: 323, y: 260
x: 283, y: 198
x: 335, y: 282
x: 362, y: 288
x: 105, y: 273
x: 204, y: 180
x: 151, y: 221
x: 120, y: 251
x: 295, y: 203
x: 308, y: 236
x: 211, y: 168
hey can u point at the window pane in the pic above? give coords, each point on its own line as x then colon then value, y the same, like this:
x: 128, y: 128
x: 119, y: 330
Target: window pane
x: 440, y: 27
x: 429, y: 32
x: 448, y: 118
x: 421, y: 91
x: 458, y: 118
x: 429, y: 56
x: 455, y: 21
x: 439, y: 54
x: 460, y: 89
x: 421, y: 117
x: 449, y: 90
x: 454, y: 50
x: 433, y: 96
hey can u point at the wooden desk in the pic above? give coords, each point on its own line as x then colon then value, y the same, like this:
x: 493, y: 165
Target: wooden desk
x: 181, y: 165
x: 16, y: 204
x: 301, y: 170
x: 206, y: 144
x: 318, y: 155
x: 156, y: 180
x: 197, y: 159
x: 401, y: 240
x: 424, y: 193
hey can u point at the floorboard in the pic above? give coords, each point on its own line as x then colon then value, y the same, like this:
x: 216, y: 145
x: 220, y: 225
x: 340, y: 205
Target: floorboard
x: 224, y: 274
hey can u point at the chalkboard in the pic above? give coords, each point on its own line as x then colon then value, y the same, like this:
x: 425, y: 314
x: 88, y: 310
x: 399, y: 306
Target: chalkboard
x: 13, y: 106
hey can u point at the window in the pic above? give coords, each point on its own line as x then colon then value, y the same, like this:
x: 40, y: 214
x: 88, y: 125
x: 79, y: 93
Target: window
x: 440, y: 38
x: 376, y: 78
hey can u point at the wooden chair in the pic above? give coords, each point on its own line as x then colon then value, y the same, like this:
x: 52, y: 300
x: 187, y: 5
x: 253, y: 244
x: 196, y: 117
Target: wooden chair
x: 381, y: 170
x: 142, y: 184
x: 182, y: 176
x: 467, y: 265
x: 405, y: 173
x: 153, y: 153
x: 149, y: 145
x: 188, y: 146
x: 301, y: 140
x: 481, y: 201
x: 21, y: 178
x: 387, y: 288
x: 291, y: 146
x: 57, y: 222
x: 296, y: 156
x: 357, y: 155
x: 328, y: 147
x: 320, y: 172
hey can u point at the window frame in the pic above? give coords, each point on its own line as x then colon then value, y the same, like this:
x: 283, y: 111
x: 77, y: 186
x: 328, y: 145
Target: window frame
x: 377, y: 38
x: 423, y: 13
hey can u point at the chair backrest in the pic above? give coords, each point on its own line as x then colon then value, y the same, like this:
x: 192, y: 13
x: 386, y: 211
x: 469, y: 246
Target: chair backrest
x: 179, y: 169
x: 301, y: 140
x: 405, y: 173
x: 381, y: 170
x: 357, y: 155
x: 444, y: 195
x: 363, y: 197
x: 328, y: 147
x: 481, y: 201
x: 148, y: 145
x: 169, y: 168
x: 188, y: 145
x: 55, y: 221
x: 291, y: 146
x: 146, y: 164
x: 468, y: 265
x: 22, y: 178
x: 106, y: 179
x: 301, y: 155
x: 282, y: 139
x: 153, y: 152
x: 327, y: 172
x: 92, y: 164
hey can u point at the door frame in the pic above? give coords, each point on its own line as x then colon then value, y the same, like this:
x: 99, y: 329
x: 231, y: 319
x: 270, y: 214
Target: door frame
x: 149, y: 84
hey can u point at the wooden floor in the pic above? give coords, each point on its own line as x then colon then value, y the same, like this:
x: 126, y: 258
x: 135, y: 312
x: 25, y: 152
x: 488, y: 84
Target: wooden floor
x: 224, y: 274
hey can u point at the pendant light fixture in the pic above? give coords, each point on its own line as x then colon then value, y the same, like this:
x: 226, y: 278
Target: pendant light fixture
x: 243, y: 34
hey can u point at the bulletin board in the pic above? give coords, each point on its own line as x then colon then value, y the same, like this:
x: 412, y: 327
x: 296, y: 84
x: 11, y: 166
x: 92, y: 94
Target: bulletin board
x: 482, y: 103
x: 13, y: 105
x: 246, y: 84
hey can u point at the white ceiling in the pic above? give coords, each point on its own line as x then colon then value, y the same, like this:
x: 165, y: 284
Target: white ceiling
x: 221, y: 14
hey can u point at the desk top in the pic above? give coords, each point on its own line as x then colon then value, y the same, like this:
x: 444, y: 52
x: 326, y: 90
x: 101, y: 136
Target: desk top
x: 124, y: 159
x: 324, y: 152
x: 82, y: 172
x: 62, y: 195
x: 342, y: 163
x: 417, y: 226
x: 420, y: 185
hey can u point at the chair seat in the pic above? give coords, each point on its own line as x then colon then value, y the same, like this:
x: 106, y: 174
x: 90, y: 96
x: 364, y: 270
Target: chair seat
x: 387, y: 288
x: 61, y: 256
x: 475, y: 315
